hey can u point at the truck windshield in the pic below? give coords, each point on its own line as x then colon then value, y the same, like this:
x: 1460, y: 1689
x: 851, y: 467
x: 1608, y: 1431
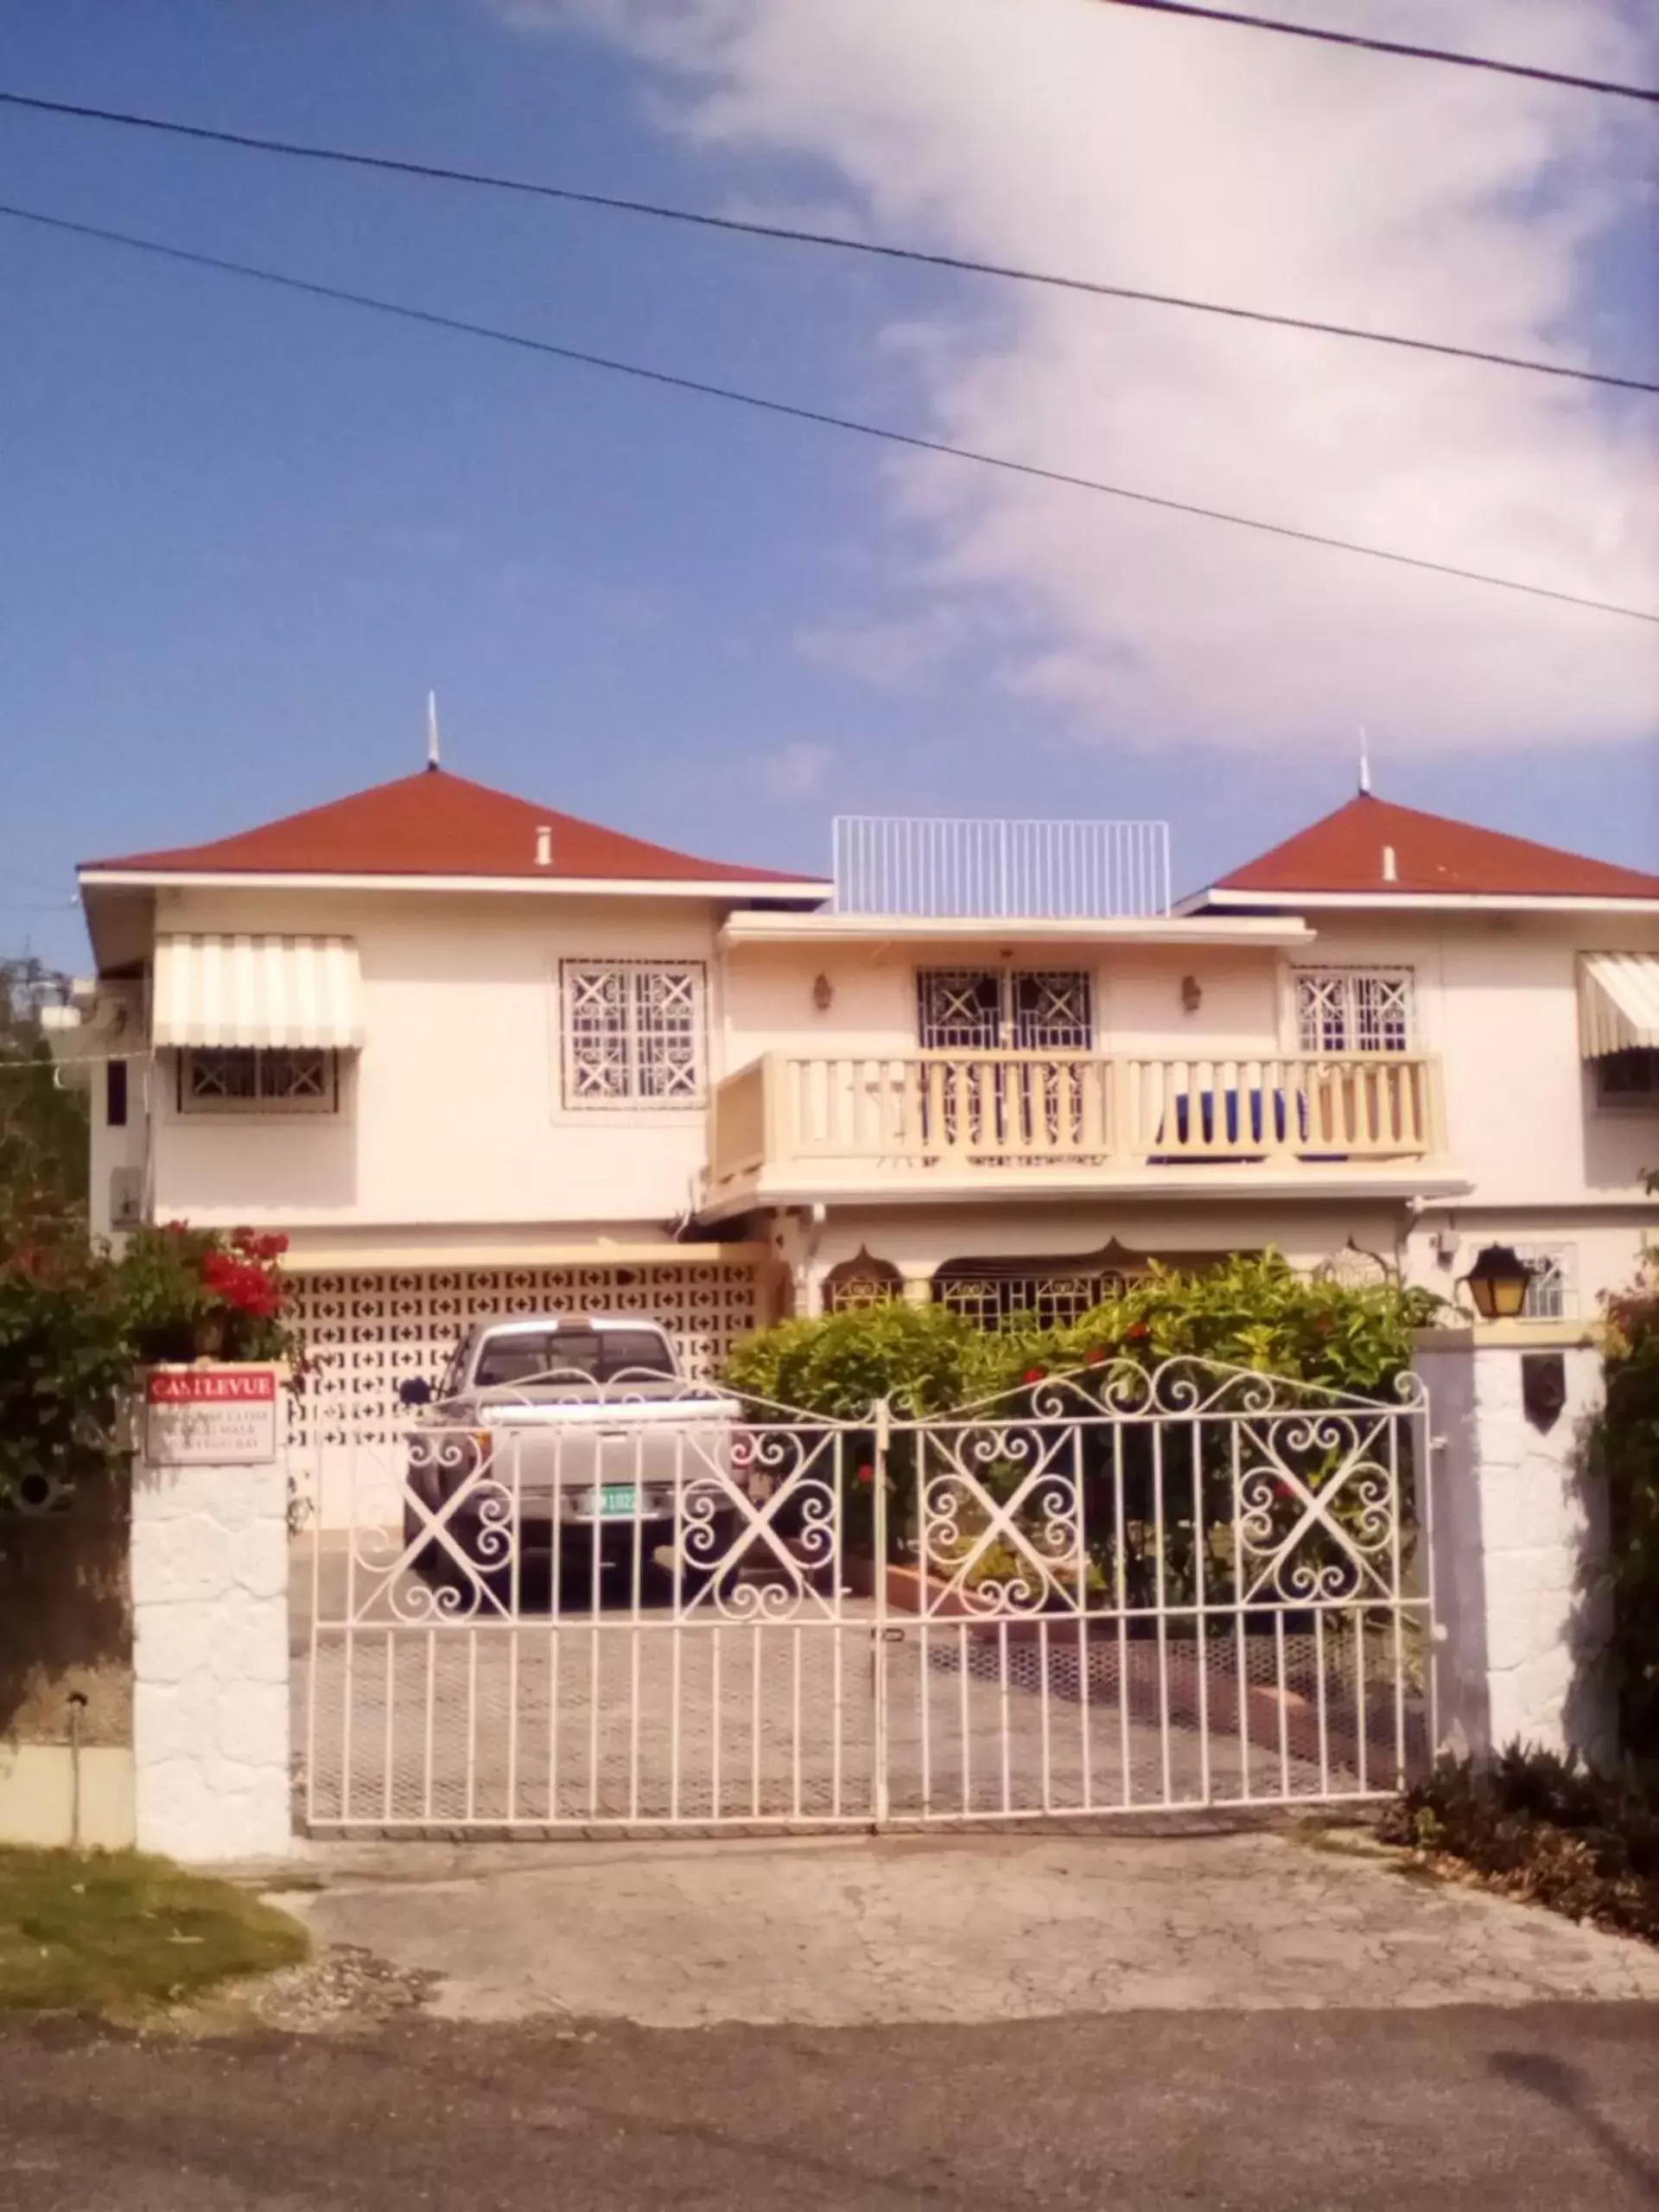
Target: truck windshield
x: 527, y: 1354
x: 523, y: 1356
x: 627, y: 1354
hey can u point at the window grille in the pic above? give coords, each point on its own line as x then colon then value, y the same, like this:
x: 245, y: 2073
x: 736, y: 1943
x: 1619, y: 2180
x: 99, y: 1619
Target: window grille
x: 230, y: 1078
x: 634, y: 1032
x: 1354, y: 1009
x: 1628, y: 1079
x: 1000, y: 1302
x: 990, y: 1010
x: 1552, y: 1295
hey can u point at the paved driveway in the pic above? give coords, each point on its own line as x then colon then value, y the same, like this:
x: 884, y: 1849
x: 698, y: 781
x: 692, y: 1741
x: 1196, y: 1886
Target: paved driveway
x: 833, y: 1932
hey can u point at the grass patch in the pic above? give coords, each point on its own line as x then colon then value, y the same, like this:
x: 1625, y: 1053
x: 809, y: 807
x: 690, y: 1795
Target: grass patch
x: 117, y: 1932
x: 1540, y: 1828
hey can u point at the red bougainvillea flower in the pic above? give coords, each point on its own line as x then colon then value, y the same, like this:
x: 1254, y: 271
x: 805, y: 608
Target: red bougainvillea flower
x: 1096, y: 1357
x: 263, y: 1245
x: 866, y: 1474
x: 1035, y: 1373
x: 1137, y: 1333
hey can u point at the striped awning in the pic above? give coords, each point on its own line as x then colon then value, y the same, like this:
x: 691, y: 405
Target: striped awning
x: 1618, y: 1003
x: 257, y: 990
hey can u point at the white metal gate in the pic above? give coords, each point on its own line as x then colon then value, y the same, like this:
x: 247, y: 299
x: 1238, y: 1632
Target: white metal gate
x: 1111, y: 1591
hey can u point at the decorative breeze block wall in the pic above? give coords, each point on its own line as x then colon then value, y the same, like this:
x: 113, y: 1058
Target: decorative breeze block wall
x: 365, y: 1332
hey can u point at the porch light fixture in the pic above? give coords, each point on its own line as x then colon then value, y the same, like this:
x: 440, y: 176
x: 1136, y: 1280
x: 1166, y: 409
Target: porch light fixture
x: 1498, y: 1283
x: 1192, y: 994
x: 823, y: 993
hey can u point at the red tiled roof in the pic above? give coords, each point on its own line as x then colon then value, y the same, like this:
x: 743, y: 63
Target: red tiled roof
x: 1344, y: 853
x: 433, y: 824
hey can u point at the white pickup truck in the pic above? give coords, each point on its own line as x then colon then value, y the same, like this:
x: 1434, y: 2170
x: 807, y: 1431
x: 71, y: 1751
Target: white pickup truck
x: 573, y: 1439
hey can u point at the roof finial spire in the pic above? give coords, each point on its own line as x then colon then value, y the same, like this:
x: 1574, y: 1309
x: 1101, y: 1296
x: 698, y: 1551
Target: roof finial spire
x: 1364, y: 763
x: 432, y: 729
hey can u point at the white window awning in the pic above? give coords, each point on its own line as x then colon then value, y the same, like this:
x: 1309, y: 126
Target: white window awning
x: 1618, y: 1003
x: 257, y: 991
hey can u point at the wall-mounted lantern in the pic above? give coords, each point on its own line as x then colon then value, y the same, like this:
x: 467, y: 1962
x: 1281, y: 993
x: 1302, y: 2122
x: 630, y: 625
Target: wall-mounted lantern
x: 1192, y: 994
x: 1498, y: 1282
x: 823, y: 993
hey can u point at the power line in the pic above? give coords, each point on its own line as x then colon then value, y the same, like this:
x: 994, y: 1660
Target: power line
x: 1389, y: 46
x: 744, y: 227
x: 794, y: 412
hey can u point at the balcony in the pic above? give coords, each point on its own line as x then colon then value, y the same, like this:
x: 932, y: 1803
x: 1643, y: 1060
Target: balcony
x: 785, y: 1130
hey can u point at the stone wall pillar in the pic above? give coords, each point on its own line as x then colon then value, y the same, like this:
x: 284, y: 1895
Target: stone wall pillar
x: 210, y: 1634
x: 1519, y: 1543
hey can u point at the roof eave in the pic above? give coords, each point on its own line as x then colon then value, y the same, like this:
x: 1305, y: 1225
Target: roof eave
x: 98, y: 877
x: 1536, y: 902
x: 747, y: 928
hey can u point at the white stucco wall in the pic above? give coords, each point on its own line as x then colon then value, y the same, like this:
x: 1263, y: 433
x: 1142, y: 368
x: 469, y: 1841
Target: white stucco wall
x: 1137, y: 996
x: 1496, y: 997
x: 210, y: 1657
x: 1519, y: 1546
x: 453, y: 1111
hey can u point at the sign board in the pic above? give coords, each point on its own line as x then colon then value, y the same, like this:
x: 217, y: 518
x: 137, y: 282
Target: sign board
x: 210, y: 1416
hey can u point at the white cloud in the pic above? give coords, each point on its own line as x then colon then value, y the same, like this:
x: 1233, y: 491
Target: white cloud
x: 900, y: 656
x: 1266, y: 171
x: 798, y: 770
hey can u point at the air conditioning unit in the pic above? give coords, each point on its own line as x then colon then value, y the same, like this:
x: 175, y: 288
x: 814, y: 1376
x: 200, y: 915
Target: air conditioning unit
x: 126, y: 1197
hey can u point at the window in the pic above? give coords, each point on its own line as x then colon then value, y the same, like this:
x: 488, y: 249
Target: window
x: 1354, y: 1009
x: 1551, y: 1296
x: 114, y: 1094
x: 634, y: 1032
x: 1022, y: 1010
x: 991, y: 1300
x: 1629, y: 1078
x: 285, y: 1079
x: 558, y: 1356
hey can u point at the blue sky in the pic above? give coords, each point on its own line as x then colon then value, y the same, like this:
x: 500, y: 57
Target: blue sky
x: 241, y: 534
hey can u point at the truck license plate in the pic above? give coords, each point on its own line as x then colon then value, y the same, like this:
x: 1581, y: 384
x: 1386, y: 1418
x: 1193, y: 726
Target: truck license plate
x: 613, y: 1501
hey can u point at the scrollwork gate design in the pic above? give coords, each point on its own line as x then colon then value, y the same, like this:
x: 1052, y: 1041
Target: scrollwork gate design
x: 1124, y: 1588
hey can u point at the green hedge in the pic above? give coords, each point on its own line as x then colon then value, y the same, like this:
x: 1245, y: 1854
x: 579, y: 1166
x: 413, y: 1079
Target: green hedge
x: 1254, y: 1313
x: 1627, y: 1446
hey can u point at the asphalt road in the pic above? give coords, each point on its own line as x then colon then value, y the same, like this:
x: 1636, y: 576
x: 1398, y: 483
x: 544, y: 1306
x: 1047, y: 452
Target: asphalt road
x: 1454, y: 2109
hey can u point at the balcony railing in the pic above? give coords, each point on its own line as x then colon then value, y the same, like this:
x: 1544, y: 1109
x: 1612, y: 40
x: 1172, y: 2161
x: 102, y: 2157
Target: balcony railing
x: 993, y: 1113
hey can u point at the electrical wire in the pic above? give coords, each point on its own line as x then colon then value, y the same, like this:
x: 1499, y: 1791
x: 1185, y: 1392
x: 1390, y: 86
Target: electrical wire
x: 911, y: 440
x: 746, y: 228
x: 1484, y: 61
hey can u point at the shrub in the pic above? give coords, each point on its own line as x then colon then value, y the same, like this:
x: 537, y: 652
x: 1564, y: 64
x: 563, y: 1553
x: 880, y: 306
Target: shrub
x: 74, y: 1321
x: 191, y: 1292
x: 66, y: 1357
x: 1542, y: 1827
x: 1255, y: 1313
x: 1627, y: 1449
x: 925, y: 1359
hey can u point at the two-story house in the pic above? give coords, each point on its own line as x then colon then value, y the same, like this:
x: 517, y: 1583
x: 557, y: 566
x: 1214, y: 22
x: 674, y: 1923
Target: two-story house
x: 473, y: 1055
